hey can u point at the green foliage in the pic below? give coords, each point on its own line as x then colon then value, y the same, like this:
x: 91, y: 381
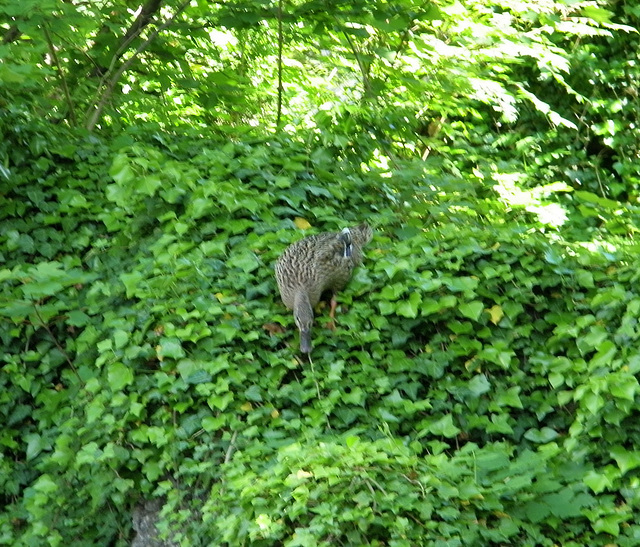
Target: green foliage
x: 481, y: 386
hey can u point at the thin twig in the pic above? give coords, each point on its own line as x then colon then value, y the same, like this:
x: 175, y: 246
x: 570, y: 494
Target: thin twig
x: 232, y: 447
x: 55, y: 341
x: 280, y: 88
x: 366, y: 86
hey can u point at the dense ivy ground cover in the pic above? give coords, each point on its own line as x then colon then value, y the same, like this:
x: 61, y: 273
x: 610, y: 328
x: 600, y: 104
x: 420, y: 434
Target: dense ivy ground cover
x: 480, y: 388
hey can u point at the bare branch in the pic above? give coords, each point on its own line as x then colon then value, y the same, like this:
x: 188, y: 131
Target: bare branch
x: 63, y: 80
x: 111, y: 82
x: 280, y: 89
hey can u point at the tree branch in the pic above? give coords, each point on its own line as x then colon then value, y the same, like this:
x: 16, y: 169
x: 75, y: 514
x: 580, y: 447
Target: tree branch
x: 111, y: 82
x: 63, y: 80
x: 11, y: 35
x: 144, y: 18
x: 280, y: 89
x: 366, y: 85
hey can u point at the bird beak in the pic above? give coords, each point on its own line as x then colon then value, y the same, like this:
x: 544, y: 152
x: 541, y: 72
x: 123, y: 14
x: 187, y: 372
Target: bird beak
x: 348, y: 246
x: 305, y: 341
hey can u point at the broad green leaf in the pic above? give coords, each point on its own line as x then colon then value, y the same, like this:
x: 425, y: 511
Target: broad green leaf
x: 604, y: 356
x: 597, y: 482
x: 120, y: 338
x: 253, y: 393
x: 625, y: 459
x: 444, y: 427
x: 497, y: 356
x: 541, y: 436
x: 387, y: 416
x: 387, y: 308
x: 585, y: 279
x: 392, y: 291
x: 609, y: 524
x: 623, y: 387
x: 461, y: 284
x: 479, y: 385
x: 510, y: 397
x: 211, y: 423
x: 121, y: 170
x: 432, y: 305
x: 170, y: 347
x: 119, y: 376
x: 592, y: 401
x: 537, y: 511
x: 247, y: 261
x: 77, y: 318
x: 35, y: 445
x: 46, y: 484
x: 409, y: 307
x: 592, y: 340
x: 132, y: 283
x: 220, y: 402
x: 471, y: 310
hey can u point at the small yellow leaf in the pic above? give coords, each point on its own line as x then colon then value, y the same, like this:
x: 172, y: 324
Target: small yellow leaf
x: 247, y: 407
x: 496, y: 314
x: 275, y: 413
x: 301, y: 223
x: 219, y: 296
x: 302, y: 474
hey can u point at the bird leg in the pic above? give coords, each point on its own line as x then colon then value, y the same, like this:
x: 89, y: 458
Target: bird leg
x: 332, y: 313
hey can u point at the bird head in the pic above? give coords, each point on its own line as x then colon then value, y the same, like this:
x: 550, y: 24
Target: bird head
x: 303, y: 316
x: 345, y: 237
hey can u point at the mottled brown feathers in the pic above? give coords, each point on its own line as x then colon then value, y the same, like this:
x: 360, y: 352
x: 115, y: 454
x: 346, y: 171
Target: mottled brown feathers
x: 316, y: 264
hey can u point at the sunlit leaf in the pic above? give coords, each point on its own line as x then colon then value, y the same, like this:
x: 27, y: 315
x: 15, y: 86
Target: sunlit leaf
x: 302, y: 223
x: 496, y: 314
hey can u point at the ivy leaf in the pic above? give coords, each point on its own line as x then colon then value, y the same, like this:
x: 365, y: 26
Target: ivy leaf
x: 444, y: 427
x: 253, y: 393
x: 131, y: 282
x: 302, y: 223
x: 77, y: 318
x: 584, y: 279
x: 625, y: 459
x: 541, y: 436
x: 461, y: 284
x: 409, y: 308
x: 598, y: 482
x: 479, y: 385
x: 609, y: 524
x: 471, y: 310
x: 45, y: 484
x: 624, y: 387
x: 170, y: 347
x: 495, y: 314
x: 119, y: 376
x: 35, y: 445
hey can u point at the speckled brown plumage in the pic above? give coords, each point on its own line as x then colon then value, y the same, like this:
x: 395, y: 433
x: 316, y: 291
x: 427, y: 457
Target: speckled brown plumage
x: 316, y: 264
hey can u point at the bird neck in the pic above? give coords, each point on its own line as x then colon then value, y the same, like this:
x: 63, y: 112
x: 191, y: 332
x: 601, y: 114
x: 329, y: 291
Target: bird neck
x: 301, y: 301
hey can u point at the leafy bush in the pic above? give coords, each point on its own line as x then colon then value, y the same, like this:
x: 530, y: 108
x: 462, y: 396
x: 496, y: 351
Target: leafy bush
x: 480, y: 388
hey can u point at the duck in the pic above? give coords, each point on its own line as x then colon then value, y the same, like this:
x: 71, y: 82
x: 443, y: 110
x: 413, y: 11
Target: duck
x: 315, y: 265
